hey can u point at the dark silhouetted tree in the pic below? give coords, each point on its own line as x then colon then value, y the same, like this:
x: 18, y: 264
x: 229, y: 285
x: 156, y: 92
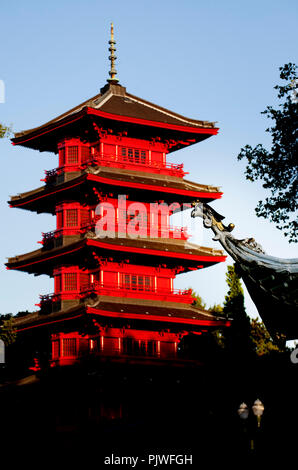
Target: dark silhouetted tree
x: 7, y: 330
x: 261, y: 339
x: 237, y: 336
x: 198, y: 301
x: 277, y: 168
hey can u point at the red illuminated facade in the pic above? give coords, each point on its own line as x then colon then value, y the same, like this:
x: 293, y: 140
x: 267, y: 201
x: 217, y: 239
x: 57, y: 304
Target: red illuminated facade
x: 113, y: 294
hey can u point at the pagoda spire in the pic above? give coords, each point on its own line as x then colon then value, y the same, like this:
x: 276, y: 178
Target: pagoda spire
x: 112, y: 58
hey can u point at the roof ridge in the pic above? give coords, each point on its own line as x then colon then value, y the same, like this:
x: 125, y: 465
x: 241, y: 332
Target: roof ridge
x: 168, y: 111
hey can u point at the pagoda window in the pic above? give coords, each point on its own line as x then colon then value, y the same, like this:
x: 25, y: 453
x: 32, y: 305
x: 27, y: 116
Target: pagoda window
x: 69, y: 347
x: 139, y: 347
x: 137, y: 282
x: 71, y: 217
x: 70, y: 281
x: 72, y: 155
x: 133, y: 155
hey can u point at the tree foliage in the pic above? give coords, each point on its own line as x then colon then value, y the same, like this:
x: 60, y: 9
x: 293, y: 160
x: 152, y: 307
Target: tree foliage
x: 277, y: 168
x: 238, y: 334
x: 261, y: 339
x: 4, y: 131
x: 7, y: 330
x: 217, y: 309
x: 198, y: 301
x: 246, y: 336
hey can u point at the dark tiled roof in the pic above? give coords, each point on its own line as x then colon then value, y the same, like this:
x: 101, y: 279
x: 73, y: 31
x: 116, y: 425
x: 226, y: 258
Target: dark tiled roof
x: 125, y: 307
x: 162, y: 247
x: 153, y: 307
x: 115, y: 100
x: 150, y: 179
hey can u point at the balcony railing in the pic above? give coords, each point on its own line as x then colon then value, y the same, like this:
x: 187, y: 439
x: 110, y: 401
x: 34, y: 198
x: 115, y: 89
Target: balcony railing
x: 51, y: 175
x: 176, y: 295
x: 119, y: 162
x: 171, y: 232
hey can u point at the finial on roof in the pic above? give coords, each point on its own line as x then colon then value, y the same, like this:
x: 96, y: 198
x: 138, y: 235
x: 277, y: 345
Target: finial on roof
x: 112, y: 58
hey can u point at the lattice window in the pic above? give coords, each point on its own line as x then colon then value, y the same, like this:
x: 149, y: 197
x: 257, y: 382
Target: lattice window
x: 70, y: 281
x: 133, y: 155
x: 58, y: 284
x: 72, y: 155
x: 69, y: 347
x: 55, y: 349
x: 143, y: 157
x: 137, y: 155
x: 136, y: 282
x: 71, y: 217
x: 148, y: 282
x: 126, y: 281
x: 151, y: 348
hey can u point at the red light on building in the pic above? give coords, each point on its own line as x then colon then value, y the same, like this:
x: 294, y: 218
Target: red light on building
x: 114, y: 155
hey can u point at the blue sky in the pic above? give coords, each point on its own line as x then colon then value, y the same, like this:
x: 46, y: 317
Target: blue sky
x: 215, y: 61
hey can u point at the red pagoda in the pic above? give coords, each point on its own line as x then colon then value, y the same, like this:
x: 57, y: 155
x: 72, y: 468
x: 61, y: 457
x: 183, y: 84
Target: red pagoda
x: 114, y: 255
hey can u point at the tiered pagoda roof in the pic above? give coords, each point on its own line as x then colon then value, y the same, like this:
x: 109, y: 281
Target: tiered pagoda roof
x: 129, y: 280
x: 114, y: 106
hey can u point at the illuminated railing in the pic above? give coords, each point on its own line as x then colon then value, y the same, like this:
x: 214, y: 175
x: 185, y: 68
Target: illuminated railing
x: 48, y: 238
x: 175, y: 169
x: 147, y: 231
x: 142, y: 292
x: 175, y: 295
x: 51, y: 175
x: 168, y: 232
x: 120, y: 162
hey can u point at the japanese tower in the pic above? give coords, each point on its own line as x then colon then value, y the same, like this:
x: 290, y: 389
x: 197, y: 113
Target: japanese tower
x: 113, y: 255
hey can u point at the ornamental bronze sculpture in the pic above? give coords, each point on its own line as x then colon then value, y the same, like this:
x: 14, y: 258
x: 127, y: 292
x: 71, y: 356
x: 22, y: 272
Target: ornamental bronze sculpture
x: 271, y: 282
